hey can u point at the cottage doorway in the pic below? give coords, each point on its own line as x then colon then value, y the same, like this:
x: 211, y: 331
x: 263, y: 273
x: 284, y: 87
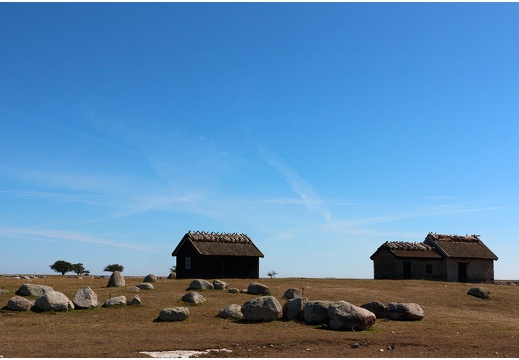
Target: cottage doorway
x: 407, y: 269
x: 462, y: 272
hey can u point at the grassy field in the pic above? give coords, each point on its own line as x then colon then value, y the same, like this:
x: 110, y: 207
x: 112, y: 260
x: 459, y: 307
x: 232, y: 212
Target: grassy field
x: 455, y: 324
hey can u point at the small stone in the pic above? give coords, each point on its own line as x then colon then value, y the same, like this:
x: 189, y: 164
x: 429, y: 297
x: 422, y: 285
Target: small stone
x: 136, y: 300
x: 116, y: 280
x: 193, y: 297
x: 145, y: 286
x: 118, y: 300
x: 150, y: 278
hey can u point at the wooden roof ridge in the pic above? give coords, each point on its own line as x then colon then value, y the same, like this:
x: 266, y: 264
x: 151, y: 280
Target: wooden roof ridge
x: 219, y: 244
x: 218, y: 237
x: 404, y: 245
x: 455, y: 237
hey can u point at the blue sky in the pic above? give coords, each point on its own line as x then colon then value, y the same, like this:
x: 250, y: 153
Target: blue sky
x: 320, y: 130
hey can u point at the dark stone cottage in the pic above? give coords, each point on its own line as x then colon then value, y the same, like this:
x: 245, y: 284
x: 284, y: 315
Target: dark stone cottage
x: 438, y: 257
x: 216, y: 255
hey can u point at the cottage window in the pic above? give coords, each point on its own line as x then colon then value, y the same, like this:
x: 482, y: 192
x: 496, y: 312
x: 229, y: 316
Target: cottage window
x: 187, y: 264
x: 428, y: 269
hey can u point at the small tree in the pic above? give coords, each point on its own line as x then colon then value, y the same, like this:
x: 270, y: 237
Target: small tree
x: 272, y: 274
x: 79, y: 269
x: 61, y: 266
x: 114, y: 267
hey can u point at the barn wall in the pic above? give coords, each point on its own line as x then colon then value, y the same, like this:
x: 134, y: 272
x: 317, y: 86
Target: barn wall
x: 182, y: 272
x: 228, y: 267
x: 216, y: 267
x: 386, y: 266
x: 478, y: 270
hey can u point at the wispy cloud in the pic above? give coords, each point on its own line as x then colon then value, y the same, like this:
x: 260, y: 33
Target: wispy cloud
x: 307, y: 195
x: 65, y: 235
x: 360, y: 224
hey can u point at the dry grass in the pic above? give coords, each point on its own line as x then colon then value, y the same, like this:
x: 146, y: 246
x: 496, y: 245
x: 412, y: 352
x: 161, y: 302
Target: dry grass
x: 455, y: 324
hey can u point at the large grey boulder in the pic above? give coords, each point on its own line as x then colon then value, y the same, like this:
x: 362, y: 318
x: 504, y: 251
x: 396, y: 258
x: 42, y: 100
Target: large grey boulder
x: 173, y: 314
x: 116, y: 280
x: 53, y: 301
x: 193, y: 297
x: 293, y: 308
x: 258, y: 289
x: 219, y: 284
x: 265, y: 308
x: 117, y: 300
x: 480, y: 292
x: 145, y: 286
x: 293, y: 293
x: 19, y: 303
x: 85, y: 298
x: 150, y: 278
x: 200, y: 284
x: 135, y: 300
x: 345, y: 316
x: 232, y: 311
x: 316, y: 312
x: 172, y: 275
x: 405, y: 311
x: 377, y: 308
x: 33, y: 290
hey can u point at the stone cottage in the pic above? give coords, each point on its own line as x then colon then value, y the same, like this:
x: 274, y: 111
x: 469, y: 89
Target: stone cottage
x: 438, y: 257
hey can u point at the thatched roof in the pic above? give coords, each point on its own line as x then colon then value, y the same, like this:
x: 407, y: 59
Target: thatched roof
x: 403, y: 249
x: 457, y: 246
x: 219, y: 244
x: 437, y: 246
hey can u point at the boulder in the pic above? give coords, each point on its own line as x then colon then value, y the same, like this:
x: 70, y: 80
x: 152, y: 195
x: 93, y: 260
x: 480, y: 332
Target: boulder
x: 345, y: 316
x: 145, y: 286
x: 293, y: 308
x: 405, y: 311
x: 480, y: 292
x: 133, y: 288
x: 232, y: 311
x: 118, y: 300
x: 116, y: 280
x: 193, y: 297
x: 173, y: 314
x: 19, y: 303
x: 136, y: 300
x: 33, y: 290
x: 53, y: 301
x: 172, y: 275
x: 2, y: 291
x: 200, y: 284
x: 258, y: 289
x: 377, y: 308
x: 219, y: 285
x: 150, y: 278
x: 85, y: 298
x: 265, y: 308
x: 293, y: 293
x: 316, y: 312
x: 234, y: 291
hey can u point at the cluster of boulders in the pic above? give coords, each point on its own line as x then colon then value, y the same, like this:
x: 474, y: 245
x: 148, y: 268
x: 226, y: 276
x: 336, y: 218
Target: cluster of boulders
x: 336, y: 315
x: 47, y: 299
